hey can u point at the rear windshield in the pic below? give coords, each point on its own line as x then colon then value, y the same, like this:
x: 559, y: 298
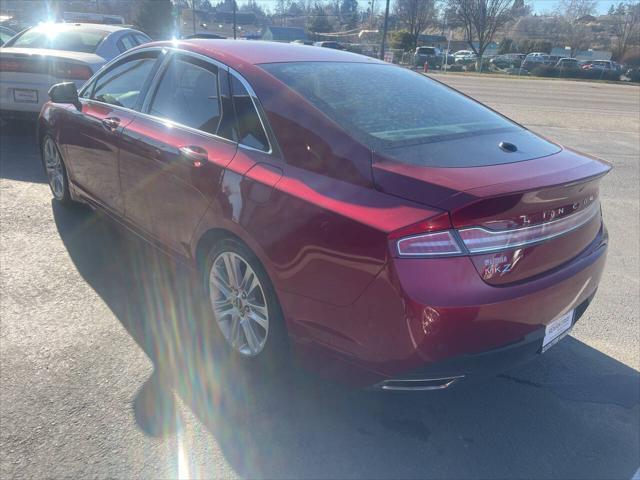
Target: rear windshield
x: 388, y: 106
x: 86, y: 41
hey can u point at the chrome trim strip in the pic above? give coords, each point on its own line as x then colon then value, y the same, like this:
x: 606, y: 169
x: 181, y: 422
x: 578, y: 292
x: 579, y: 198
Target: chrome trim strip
x: 254, y: 100
x: 198, y: 56
x: 590, y: 212
x: 156, y: 79
x: 119, y: 58
x: 163, y: 120
x: 447, y: 382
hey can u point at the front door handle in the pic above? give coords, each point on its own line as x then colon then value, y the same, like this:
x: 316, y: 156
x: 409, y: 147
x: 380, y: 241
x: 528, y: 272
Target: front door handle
x: 111, y: 123
x: 194, y: 155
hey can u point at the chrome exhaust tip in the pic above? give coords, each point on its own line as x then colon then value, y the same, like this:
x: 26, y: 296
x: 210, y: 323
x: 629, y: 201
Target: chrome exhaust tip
x: 417, y: 384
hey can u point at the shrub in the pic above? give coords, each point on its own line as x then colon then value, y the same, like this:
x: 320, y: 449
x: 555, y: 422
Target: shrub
x: 606, y: 75
x: 544, y: 71
x: 632, y: 58
x: 472, y: 67
x: 402, y: 40
x: 564, y: 72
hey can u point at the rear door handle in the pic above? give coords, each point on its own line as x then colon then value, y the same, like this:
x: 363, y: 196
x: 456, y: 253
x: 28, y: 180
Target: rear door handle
x: 111, y: 123
x: 194, y: 155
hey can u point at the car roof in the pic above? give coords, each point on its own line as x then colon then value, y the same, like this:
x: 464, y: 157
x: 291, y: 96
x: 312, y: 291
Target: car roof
x: 98, y: 27
x: 255, y: 52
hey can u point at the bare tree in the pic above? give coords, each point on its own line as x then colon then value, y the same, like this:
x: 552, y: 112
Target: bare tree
x: 575, y: 31
x: 415, y: 15
x: 626, y: 23
x: 481, y: 20
x: 573, y: 10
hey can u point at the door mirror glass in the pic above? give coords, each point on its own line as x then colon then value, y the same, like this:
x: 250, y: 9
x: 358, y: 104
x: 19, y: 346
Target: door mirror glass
x: 64, y: 93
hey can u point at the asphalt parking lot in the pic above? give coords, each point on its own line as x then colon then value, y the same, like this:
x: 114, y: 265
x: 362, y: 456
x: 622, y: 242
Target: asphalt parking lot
x: 101, y: 374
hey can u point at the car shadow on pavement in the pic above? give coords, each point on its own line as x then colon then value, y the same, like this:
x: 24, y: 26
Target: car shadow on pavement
x: 573, y: 413
x: 19, y: 155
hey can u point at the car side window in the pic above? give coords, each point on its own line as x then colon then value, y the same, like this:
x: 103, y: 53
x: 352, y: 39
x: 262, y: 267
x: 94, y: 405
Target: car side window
x: 127, y: 42
x: 140, y: 39
x: 86, y: 90
x: 122, y: 84
x: 250, y: 130
x: 188, y: 93
x: 227, y: 128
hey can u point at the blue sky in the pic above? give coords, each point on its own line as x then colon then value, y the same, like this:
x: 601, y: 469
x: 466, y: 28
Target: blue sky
x: 540, y: 6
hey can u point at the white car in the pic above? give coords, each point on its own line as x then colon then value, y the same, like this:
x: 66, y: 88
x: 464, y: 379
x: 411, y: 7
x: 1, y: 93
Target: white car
x: 47, y: 54
x: 464, y: 55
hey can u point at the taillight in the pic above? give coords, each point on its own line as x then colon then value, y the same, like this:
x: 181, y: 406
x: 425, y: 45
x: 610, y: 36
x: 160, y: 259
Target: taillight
x: 449, y: 242
x: 72, y: 71
x: 482, y: 240
x: 434, y: 244
x: 8, y: 65
x: 25, y: 65
x: 429, y: 238
x: 46, y: 66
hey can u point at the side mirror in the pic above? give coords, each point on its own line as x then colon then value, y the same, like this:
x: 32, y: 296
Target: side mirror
x: 64, y: 93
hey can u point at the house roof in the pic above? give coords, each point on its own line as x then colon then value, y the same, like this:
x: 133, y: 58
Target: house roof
x: 424, y: 37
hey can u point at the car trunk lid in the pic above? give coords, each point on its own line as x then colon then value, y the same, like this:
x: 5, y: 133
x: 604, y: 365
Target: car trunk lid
x: 553, y: 199
x: 56, y: 64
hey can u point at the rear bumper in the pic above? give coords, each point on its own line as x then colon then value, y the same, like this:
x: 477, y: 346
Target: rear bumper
x: 10, y: 104
x: 465, y: 369
x: 437, y: 318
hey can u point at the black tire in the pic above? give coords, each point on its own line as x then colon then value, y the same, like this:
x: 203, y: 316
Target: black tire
x: 61, y: 194
x: 275, y: 352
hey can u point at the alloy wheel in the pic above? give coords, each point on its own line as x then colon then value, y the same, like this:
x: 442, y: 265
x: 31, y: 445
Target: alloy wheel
x: 55, y: 168
x: 239, y: 303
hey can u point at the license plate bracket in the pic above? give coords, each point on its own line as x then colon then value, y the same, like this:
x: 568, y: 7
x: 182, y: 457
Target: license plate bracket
x: 24, y: 95
x: 557, y: 330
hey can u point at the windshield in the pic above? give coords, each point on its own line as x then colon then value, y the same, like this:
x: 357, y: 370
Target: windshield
x: 75, y: 40
x: 393, y: 107
x: 5, y: 36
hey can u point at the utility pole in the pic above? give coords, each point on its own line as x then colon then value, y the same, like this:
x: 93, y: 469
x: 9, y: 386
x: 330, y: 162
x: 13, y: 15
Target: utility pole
x: 384, y: 30
x: 234, y: 18
x: 371, y: 15
x: 193, y: 15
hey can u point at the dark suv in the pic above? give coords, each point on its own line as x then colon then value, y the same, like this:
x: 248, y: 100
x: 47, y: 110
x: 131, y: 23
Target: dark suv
x: 432, y: 55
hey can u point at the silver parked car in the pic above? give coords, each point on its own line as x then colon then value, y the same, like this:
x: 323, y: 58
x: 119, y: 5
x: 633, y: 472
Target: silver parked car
x: 568, y: 63
x: 47, y: 54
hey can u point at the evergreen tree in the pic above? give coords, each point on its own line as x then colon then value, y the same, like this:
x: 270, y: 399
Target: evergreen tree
x: 319, y: 21
x: 155, y: 18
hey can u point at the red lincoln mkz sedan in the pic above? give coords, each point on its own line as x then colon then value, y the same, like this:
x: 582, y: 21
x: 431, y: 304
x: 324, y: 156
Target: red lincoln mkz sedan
x: 369, y: 220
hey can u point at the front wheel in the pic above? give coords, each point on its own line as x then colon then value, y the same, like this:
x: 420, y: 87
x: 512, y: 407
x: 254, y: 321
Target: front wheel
x: 56, y: 171
x: 244, y: 303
